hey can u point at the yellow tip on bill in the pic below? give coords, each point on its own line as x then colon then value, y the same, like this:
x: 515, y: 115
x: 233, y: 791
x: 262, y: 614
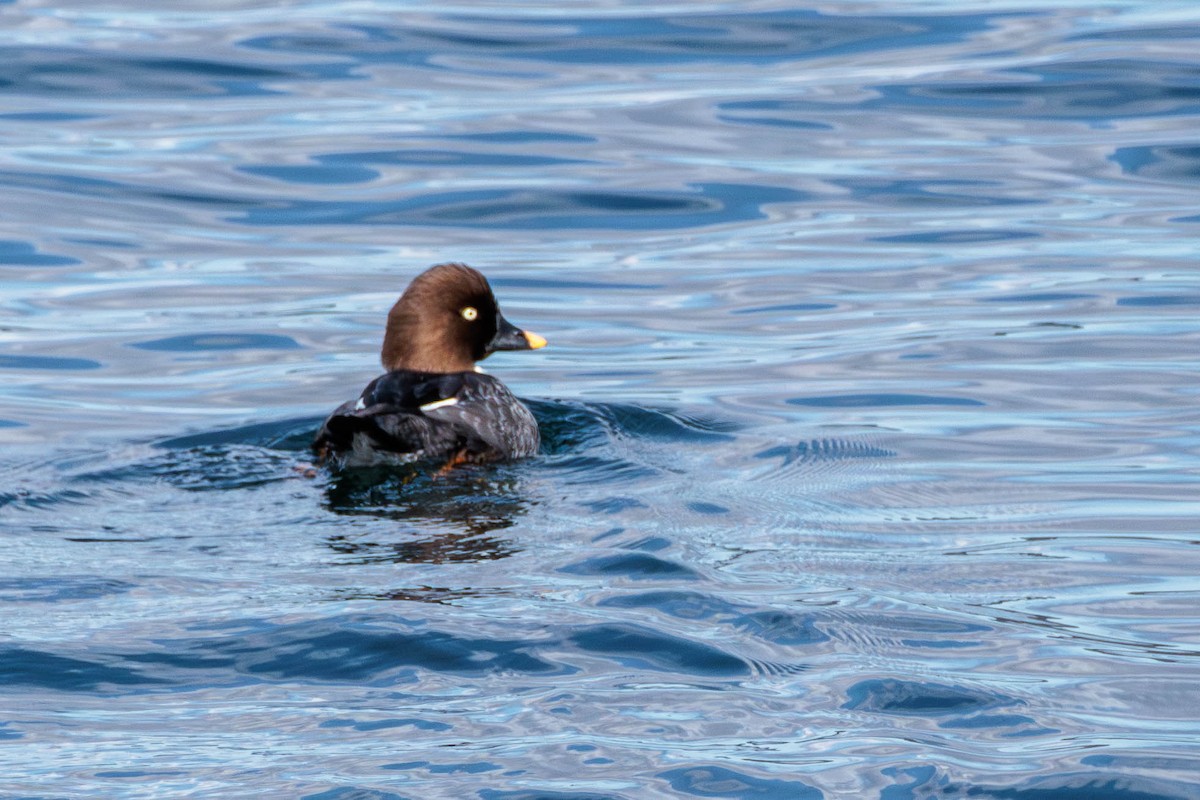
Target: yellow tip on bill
x: 535, y: 342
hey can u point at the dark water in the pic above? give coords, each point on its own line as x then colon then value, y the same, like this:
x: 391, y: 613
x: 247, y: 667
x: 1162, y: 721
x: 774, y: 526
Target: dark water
x: 870, y: 413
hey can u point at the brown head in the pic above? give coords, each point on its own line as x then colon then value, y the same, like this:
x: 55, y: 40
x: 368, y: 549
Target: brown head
x: 446, y: 320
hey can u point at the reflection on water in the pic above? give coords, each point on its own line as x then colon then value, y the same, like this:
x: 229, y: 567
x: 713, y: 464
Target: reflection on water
x: 869, y: 434
x: 455, y: 517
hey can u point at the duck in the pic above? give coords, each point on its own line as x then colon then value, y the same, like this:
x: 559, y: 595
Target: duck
x: 433, y: 403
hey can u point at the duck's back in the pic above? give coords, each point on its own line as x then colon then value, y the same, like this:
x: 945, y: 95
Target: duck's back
x: 408, y: 416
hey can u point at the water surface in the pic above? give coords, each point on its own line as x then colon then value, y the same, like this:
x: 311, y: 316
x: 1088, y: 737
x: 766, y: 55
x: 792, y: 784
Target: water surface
x: 871, y: 444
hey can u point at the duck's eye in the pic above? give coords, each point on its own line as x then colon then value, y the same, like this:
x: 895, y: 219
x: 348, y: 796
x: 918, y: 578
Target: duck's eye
x: 469, y: 313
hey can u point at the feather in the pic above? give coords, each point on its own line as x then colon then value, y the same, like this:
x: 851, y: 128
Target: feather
x: 409, y: 416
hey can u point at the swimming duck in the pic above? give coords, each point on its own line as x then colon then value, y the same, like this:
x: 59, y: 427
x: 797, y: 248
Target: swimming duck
x: 433, y: 403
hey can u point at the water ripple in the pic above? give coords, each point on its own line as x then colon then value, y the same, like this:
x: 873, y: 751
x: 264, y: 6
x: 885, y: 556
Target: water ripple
x: 869, y: 435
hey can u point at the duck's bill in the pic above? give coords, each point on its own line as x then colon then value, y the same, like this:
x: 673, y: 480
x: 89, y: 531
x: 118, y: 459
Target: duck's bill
x: 510, y: 337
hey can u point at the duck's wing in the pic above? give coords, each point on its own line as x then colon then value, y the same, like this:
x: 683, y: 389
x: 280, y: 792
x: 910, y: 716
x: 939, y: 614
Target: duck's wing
x: 407, y: 416
x: 492, y: 422
x: 387, y: 422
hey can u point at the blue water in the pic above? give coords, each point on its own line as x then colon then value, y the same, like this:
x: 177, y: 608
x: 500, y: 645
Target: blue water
x: 870, y: 416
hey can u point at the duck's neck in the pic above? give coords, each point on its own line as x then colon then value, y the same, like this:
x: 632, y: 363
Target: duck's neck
x: 406, y: 347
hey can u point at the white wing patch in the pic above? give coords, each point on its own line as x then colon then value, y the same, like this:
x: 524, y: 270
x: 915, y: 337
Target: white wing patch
x: 449, y: 401
x: 360, y: 405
